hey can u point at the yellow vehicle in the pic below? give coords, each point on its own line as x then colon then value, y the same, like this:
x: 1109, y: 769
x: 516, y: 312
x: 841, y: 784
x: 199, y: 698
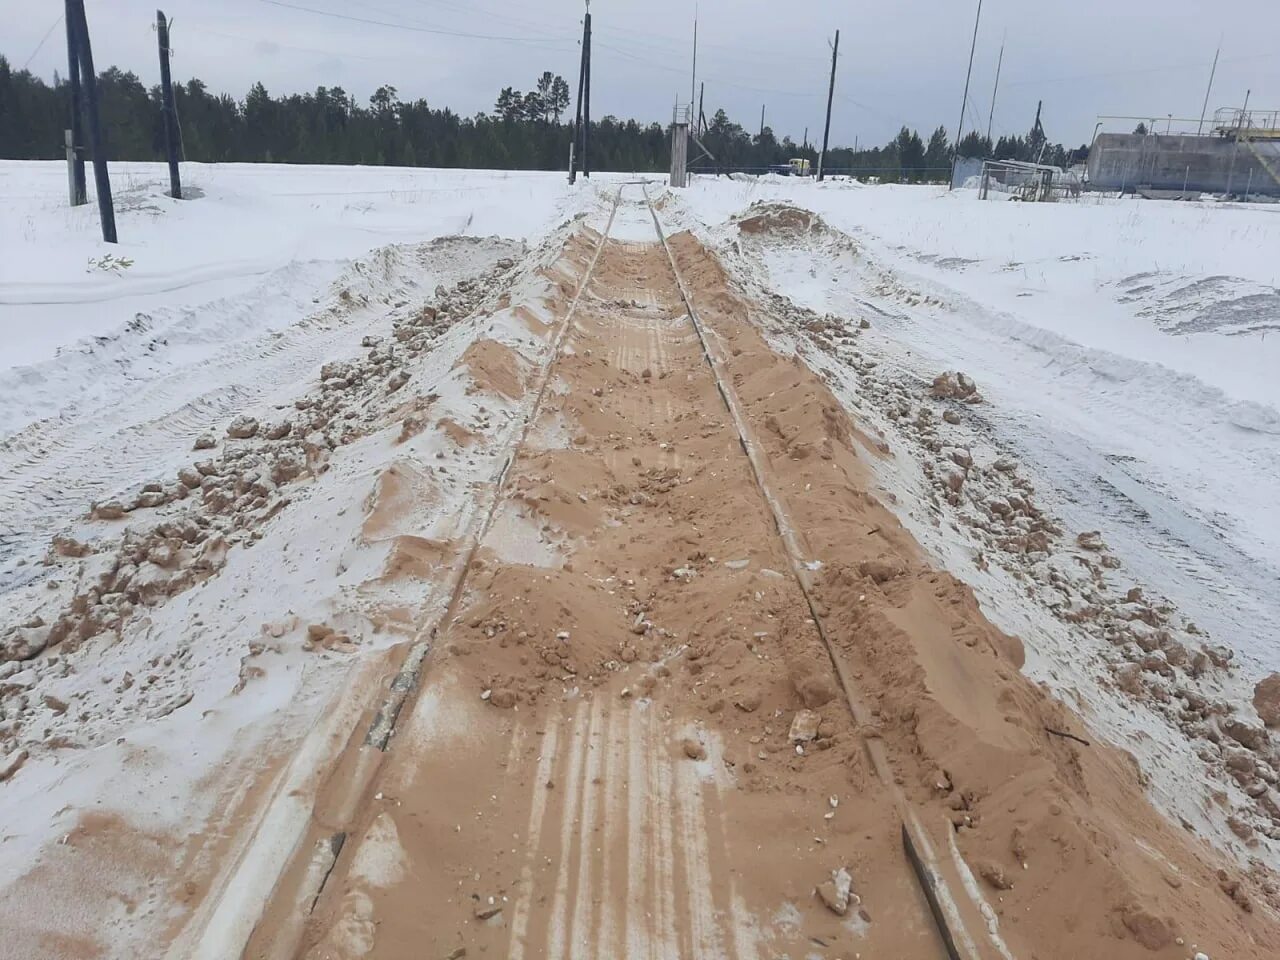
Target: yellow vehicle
x: 799, y: 167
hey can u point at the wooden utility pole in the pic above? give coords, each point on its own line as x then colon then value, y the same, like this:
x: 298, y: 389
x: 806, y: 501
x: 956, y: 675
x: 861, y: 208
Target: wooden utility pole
x: 89, y: 83
x: 170, y: 110
x: 75, y: 135
x: 586, y: 101
x: 1037, y: 131
x: 831, y: 93
x: 575, y: 152
x: 955, y: 154
x: 762, y: 120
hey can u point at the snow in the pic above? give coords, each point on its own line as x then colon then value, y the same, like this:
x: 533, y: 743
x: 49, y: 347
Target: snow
x: 1174, y: 461
x: 1122, y: 348
x: 1156, y: 412
x: 247, y: 227
x: 219, y: 683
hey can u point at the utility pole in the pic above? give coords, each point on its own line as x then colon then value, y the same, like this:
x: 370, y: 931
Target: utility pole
x: 955, y: 155
x: 762, y: 120
x: 586, y: 102
x: 693, y: 77
x: 804, y: 143
x: 89, y: 82
x: 1037, y: 131
x: 831, y: 93
x: 1209, y: 89
x: 170, y: 111
x: 992, y: 115
x: 75, y: 136
x: 574, y: 151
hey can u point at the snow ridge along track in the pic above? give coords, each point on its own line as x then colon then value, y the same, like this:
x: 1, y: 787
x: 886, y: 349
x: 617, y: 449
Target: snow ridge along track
x: 917, y: 847
x: 230, y: 923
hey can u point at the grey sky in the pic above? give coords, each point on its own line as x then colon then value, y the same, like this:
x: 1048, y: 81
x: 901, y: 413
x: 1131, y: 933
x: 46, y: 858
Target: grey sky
x: 902, y: 61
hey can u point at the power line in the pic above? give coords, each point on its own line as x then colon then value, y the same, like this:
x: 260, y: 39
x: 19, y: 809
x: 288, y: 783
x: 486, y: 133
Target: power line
x: 628, y: 55
x: 539, y: 29
x: 779, y: 93
x: 649, y: 50
x: 341, y: 54
x: 713, y: 79
x: 972, y: 111
x: 1142, y: 71
x: 416, y: 29
x: 869, y: 109
x: 471, y: 9
x: 43, y: 40
x: 750, y: 58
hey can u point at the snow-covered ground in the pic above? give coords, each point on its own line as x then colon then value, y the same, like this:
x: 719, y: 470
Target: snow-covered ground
x: 1122, y: 349
x: 1123, y: 384
x: 111, y: 356
x: 232, y: 303
x: 1129, y: 349
x: 247, y: 229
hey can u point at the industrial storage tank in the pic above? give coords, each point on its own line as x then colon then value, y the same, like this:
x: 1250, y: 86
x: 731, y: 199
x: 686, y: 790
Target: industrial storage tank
x: 1217, y: 163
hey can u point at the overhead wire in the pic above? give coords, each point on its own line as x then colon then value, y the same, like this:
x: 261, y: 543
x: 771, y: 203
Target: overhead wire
x: 341, y: 54
x: 43, y: 40
x: 658, y: 47
x: 459, y: 34
x: 653, y: 49
x: 471, y: 9
x: 539, y: 28
x: 1140, y: 71
x: 676, y: 48
x: 628, y: 55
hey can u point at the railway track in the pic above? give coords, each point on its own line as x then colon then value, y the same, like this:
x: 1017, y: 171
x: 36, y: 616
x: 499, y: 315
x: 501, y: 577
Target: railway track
x: 917, y: 847
x: 599, y: 764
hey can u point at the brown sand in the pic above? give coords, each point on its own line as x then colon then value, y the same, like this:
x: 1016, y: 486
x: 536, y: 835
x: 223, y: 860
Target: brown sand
x: 494, y: 366
x: 600, y: 760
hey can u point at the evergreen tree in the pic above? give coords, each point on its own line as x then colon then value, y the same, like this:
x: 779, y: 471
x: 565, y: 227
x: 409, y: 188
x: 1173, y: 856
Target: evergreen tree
x: 910, y: 151
x: 937, y: 156
x: 975, y: 145
x: 525, y: 131
x: 510, y: 105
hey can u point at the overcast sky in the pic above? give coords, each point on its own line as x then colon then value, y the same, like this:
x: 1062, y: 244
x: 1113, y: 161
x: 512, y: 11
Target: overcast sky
x: 901, y: 61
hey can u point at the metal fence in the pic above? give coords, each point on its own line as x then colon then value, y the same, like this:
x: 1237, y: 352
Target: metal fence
x: 1247, y: 124
x: 1034, y: 182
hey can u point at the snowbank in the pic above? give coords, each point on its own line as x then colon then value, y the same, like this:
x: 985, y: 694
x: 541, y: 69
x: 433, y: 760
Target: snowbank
x: 247, y: 225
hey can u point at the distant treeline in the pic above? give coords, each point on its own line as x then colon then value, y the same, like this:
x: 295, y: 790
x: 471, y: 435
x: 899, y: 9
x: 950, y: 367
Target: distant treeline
x: 526, y: 131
